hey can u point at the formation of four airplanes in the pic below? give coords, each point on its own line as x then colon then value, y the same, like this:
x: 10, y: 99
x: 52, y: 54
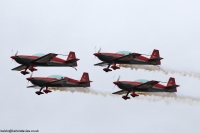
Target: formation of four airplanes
x: 109, y: 59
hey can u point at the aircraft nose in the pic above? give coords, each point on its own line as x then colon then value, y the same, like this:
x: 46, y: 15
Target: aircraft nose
x: 96, y: 54
x: 13, y: 57
x: 29, y: 79
x: 115, y: 83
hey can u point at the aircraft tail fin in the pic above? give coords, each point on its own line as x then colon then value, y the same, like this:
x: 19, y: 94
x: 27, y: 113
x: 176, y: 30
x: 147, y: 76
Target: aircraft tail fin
x: 155, y: 57
x: 72, y: 58
x: 171, y: 85
x: 85, y: 79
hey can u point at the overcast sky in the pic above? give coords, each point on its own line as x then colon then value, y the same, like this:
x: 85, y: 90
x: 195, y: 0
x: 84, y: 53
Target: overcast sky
x: 61, y: 26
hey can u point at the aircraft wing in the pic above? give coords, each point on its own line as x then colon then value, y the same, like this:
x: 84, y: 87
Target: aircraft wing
x: 120, y: 92
x: 128, y: 57
x: 19, y: 68
x: 60, y: 81
x: 33, y: 86
x: 46, y: 58
x: 101, y: 64
x: 147, y: 85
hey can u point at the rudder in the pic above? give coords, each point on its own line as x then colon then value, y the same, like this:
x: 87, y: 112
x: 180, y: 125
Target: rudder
x: 72, y: 58
x: 155, y: 56
x: 85, y: 79
x: 171, y: 85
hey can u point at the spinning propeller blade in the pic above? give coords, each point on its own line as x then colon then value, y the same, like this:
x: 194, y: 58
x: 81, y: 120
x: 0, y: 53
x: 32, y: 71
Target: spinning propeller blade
x: 16, y: 53
x: 118, y: 78
x: 99, y: 50
x: 95, y: 52
x: 29, y: 77
x: 117, y: 81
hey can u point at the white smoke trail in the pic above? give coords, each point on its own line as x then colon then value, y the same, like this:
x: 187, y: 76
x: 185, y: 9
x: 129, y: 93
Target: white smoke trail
x: 149, y: 96
x: 80, y: 90
x: 168, y: 98
x: 161, y: 69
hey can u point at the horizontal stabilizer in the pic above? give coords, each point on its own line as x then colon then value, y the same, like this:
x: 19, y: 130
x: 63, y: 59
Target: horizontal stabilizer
x: 171, y: 87
x: 72, y: 60
x: 83, y: 82
x: 155, y: 59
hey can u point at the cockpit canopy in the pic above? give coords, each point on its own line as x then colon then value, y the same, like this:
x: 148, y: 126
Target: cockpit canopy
x: 142, y: 80
x: 39, y: 54
x: 56, y: 76
x: 124, y: 52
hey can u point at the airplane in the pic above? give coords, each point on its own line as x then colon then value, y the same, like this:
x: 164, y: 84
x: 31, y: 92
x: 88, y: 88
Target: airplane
x: 43, y: 60
x: 125, y: 57
x: 142, y: 85
x: 57, y: 81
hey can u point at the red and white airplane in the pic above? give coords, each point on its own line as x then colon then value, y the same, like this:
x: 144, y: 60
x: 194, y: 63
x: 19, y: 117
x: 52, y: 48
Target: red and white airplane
x: 125, y: 57
x: 42, y: 60
x: 144, y: 86
x: 58, y: 81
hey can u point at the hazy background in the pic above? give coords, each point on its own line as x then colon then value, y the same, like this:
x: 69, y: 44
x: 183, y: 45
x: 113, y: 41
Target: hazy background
x: 61, y: 26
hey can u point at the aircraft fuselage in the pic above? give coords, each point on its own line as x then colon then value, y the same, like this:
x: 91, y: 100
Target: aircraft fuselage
x: 27, y: 60
x: 130, y: 86
x: 110, y: 58
x: 42, y: 82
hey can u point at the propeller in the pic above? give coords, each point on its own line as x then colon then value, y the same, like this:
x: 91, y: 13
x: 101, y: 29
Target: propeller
x: 97, y: 52
x: 16, y: 53
x: 14, y: 56
x: 11, y: 54
x: 95, y: 49
x: 116, y: 81
x: 29, y: 77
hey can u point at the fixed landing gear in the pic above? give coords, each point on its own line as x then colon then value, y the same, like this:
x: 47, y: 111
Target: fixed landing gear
x: 133, y: 94
x: 39, y: 92
x: 31, y: 68
x: 47, y: 91
x: 125, y: 97
x: 114, y: 67
x: 107, y: 69
x: 24, y: 72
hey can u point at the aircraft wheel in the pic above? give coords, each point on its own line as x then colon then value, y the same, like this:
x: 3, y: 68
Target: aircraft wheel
x: 107, y: 70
